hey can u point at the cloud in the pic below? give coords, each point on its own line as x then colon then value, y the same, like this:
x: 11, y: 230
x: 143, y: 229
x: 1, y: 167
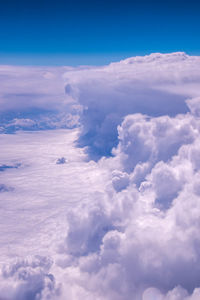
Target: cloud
x: 33, y: 98
x: 154, y: 85
x: 125, y: 225
x: 177, y: 293
x: 120, y: 180
x: 32, y: 280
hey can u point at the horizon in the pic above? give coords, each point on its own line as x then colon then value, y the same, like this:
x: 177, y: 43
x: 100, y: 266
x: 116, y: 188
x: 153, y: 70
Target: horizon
x: 75, y: 61
x: 66, y: 32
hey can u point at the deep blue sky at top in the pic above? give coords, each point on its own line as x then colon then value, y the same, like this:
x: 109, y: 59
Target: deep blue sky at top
x: 83, y: 32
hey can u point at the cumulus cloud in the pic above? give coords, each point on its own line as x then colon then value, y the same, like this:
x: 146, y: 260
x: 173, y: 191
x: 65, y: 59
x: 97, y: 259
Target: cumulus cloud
x: 125, y: 225
x: 154, y: 85
x: 28, y: 279
x: 120, y: 180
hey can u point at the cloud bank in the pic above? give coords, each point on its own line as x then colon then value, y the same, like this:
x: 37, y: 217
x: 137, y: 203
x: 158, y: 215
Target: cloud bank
x: 33, y: 98
x: 120, y: 218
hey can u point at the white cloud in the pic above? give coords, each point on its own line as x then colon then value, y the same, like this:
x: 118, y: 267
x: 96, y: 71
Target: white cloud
x: 33, y: 98
x: 29, y: 279
x: 126, y: 226
x: 154, y: 85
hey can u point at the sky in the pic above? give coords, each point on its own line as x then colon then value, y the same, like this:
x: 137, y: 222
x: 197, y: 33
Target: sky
x: 99, y: 150
x: 94, y: 32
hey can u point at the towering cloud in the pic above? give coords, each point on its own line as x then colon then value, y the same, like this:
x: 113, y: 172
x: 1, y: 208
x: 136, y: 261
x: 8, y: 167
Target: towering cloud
x: 154, y: 85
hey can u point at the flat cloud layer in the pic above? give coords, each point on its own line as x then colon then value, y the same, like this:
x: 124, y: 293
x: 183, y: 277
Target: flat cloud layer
x: 118, y: 218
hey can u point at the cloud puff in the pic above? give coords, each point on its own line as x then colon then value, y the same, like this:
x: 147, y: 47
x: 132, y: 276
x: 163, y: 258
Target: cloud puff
x: 28, y: 279
x: 143, y: 139
x: 120, y: 180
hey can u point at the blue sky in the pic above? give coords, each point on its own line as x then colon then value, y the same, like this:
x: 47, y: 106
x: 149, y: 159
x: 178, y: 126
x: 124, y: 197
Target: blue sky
x: 94, y: 32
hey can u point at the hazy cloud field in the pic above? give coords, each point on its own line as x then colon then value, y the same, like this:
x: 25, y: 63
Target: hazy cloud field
x: 100, y: 180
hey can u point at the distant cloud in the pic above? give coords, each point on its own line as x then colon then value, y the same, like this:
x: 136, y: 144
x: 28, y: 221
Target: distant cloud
x: 33, y: 98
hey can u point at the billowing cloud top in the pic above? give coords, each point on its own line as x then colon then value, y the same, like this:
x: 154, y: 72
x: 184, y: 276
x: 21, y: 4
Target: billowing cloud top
x: 155, y: 85
x: 119, y: 217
